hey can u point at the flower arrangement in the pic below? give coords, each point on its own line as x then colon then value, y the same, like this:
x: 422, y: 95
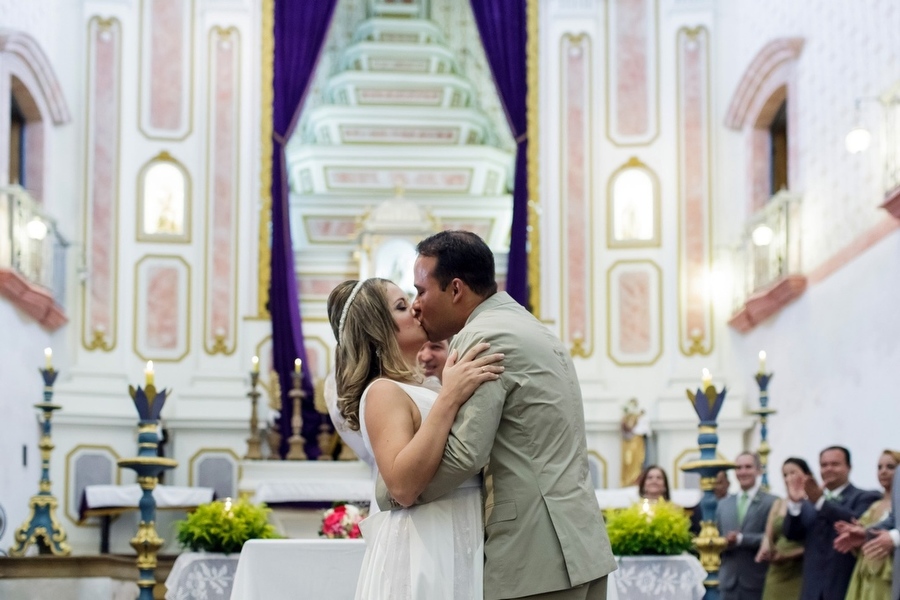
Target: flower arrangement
x: 223, y: 526
x: 342, y: 521
x: 661, y: 529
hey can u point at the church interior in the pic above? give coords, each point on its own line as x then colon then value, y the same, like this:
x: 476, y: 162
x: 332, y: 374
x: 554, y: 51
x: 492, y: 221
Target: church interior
x: 685, y: 192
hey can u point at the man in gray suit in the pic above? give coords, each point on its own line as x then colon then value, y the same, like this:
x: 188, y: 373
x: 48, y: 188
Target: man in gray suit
x: 544, y: 534
x: 741, y: 519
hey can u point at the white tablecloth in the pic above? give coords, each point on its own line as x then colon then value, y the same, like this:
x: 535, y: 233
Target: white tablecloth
x: 625, y: 497
x: 201, y: 576
x: 298, y: 570
x: 315, y: 490
x: 166, y: 496
x: 658, y: 577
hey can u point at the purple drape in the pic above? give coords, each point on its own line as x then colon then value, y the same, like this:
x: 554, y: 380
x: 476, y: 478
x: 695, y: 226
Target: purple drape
x: 299, y: 32
x: 502, y: 25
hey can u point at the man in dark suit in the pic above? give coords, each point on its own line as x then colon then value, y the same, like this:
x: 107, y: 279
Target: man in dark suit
x: 812, y: 513
x: 741, y: 519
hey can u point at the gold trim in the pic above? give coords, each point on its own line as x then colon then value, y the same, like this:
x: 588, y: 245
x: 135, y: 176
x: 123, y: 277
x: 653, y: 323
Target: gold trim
x: 577, y: 347
x: 140, y: 236
x: 67, y: 481
x: 656, y: 241
x: 696, y: 346
x: 532, y: 103
x: 239, y: 470
x: 659, y: 298
x: 220, y: 342
x: 599, y: 457
x: 187, y: 110
x: 656, y: 95
x: 267, y: 69
x: 182, y: 326
x: 99, y: 338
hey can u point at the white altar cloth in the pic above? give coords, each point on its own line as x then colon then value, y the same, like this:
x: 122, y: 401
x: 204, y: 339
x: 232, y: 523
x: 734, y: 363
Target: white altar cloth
x: 298, y: 570
x: 166, y: 496
x: 654, y: 577
x: 201, y: 576
x: 314, y: 490
x: 625, y: 497
x: 285, y: 481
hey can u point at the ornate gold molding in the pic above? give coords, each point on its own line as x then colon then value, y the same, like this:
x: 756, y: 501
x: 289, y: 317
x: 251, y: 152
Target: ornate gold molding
x: 267, y: 71
x: 531, y: 103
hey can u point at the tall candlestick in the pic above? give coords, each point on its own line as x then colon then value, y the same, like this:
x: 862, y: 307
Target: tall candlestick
x: 762, y: 361
x: 706, y: 379
x: 148, y: 372
x: 48, y: 354
x: 297, y: 364
x: 255, y: 363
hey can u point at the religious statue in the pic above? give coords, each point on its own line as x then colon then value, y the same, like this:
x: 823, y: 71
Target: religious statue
x: 635, y: 429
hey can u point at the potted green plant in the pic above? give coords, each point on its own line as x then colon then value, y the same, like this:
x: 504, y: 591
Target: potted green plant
x: 223, y: 526
x: 660, y: 528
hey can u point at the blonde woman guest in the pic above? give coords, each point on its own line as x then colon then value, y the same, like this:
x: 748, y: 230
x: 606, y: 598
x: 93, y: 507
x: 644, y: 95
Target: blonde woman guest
x: 871, y: 579
x: 784, y: 578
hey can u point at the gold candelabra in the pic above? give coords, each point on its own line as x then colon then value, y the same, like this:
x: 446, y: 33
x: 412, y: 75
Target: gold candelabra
x: 296, y: 441
x: 254, y: 451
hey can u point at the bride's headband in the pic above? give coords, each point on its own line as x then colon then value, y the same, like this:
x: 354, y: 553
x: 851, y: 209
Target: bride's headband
x: 350, y: 298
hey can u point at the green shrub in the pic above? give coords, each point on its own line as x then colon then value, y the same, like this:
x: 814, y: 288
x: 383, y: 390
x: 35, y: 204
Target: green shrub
x: 660, y: 529
x: 224, y: 526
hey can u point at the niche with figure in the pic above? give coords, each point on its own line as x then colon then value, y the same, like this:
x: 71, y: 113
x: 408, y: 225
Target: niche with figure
x: 163, y: 210
x: 633, y: 218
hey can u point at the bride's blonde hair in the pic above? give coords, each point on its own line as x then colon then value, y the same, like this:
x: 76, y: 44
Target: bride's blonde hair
x: 367, y: 345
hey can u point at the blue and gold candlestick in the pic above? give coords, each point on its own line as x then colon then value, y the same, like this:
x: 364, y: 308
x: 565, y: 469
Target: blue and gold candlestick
x: 763, y: 412
x: 707, y: 402
x: 42, y: 528
x: 148, y: 466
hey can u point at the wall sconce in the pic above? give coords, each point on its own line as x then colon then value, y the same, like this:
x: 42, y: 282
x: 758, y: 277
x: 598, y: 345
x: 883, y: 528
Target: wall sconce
x: 859, y: 138
x: 762, y: 235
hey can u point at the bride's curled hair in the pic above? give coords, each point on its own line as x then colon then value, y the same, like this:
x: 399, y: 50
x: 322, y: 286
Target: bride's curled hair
x: 367, y: 345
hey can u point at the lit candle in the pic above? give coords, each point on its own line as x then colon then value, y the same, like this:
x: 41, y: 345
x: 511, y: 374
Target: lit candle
x: 255, y: 362
x: 48, y: 354
x: 762, y: 361
x: 148, y: 372
x: 297, y: 364
x: 706, y: 379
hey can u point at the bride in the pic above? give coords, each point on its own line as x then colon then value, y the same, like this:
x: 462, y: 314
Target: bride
x: 432, y: 550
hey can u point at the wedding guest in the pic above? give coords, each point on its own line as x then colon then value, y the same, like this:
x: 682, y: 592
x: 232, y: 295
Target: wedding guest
x: 431, y: 358
x: 812, y: 513
x: 872, y: 575
x: 720, y: 489
x: 741, y: 520
x: 653, y: 484
x: 784, y: 577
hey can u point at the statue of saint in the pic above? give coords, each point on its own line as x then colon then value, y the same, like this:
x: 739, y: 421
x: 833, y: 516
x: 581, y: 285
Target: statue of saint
x: 635, y: 429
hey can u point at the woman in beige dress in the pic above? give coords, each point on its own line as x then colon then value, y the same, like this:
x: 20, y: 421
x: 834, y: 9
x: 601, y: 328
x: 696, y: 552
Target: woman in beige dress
x: 784, y: 578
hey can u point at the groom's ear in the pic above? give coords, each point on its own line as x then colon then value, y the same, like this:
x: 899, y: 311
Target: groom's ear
x: 457, y: 289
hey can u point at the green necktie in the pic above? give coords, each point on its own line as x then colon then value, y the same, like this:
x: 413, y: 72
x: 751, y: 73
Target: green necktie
x: 742, y: 507
x: 829, y: 495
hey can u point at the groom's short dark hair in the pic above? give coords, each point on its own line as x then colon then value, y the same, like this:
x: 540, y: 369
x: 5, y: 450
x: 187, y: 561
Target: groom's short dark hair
x: 462, y: 255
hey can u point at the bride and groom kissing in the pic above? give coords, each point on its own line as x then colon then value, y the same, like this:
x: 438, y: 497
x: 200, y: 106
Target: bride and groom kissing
x: 484, y: 486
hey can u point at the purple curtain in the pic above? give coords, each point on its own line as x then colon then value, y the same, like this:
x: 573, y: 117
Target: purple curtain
x: 502, y: 25
x: 299, y: 32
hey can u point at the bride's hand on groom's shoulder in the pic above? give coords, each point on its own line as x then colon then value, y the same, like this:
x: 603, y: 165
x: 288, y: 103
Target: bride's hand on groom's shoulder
x: 462, y: 376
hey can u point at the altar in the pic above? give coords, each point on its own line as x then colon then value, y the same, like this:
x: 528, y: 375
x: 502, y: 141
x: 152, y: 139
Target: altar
x: 298, y: 491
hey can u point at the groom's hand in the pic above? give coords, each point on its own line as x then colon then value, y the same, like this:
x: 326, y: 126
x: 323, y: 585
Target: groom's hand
x: 383, y: 496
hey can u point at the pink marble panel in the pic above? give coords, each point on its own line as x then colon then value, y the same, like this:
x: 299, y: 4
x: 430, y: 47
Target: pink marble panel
x: 420, y: 96
x: 357, y: 134
x: 330, y: 229
x: 635, y: 319
x: 576, y: 194
x: 481, y: 227
x: 167, y: 63
x: 631, y: 67
x: 161, y: 306
x: 103, y: 166
x: 392, y: 64
x: 693, y: 130
x: 319, y: 285
x: 223, y: 142
x: 437, y: 180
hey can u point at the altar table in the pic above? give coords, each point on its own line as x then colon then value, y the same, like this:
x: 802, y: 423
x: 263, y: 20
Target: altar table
x: 298, y: 570
x: 202, y: 576
x: 653, y: 577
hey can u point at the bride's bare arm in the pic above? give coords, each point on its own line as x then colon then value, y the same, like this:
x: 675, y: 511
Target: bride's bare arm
x: 408, y: 457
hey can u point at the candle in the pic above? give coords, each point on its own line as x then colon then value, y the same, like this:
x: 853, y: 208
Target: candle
x: 297, y: 364
x: 48, y: 354
x: 255, y: 362
x: 148, y: 372
x: 706, y: 379
x: 762, y: 361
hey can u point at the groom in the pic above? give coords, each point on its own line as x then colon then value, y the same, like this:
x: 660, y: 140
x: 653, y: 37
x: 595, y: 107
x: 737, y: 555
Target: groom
x: 544, y: 535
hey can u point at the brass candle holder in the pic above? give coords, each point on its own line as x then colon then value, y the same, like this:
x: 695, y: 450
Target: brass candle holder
x: 254, y: 451
x: 296, y: 441
x: 42, y: 527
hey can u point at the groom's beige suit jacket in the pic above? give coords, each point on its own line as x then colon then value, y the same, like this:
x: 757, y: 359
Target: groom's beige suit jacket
x: 543, y: 527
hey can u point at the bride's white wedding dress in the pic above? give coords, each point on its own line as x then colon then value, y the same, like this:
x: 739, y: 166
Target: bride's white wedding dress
x: 427, y: 552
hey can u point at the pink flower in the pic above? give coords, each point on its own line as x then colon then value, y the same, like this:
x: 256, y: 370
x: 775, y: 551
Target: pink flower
x: 342, y: 521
